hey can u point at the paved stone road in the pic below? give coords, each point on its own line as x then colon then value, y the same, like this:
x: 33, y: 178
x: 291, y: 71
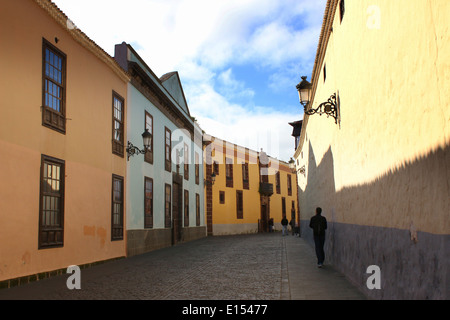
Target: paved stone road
x: 244, y: 267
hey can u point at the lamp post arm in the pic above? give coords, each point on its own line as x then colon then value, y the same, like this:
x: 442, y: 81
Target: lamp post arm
x: 132, y: 150
x: 329, y: 107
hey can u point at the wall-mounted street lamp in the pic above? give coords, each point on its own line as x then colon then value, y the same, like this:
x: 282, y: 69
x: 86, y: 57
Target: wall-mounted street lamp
x: 329, y: 107
x: 292, y: 165
x: 213, y: 179
x: 132, y: 150
x: 302, y: 171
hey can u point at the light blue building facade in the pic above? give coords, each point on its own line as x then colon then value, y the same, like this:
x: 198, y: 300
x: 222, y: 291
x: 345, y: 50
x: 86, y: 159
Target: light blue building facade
x: 164, y: 186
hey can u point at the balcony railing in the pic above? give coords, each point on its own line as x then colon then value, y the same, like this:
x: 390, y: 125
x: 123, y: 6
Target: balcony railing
x: 266, y: 188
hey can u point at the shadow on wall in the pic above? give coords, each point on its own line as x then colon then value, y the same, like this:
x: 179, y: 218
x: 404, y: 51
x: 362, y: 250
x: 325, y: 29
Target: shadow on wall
x: 382, y: 223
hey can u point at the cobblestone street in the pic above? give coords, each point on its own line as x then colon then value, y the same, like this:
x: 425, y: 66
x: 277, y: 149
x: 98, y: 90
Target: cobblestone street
x: 246, y: 267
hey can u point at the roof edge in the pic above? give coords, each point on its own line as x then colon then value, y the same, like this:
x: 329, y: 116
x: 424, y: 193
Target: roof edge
x: 328, y: 18
x: 80, y: 37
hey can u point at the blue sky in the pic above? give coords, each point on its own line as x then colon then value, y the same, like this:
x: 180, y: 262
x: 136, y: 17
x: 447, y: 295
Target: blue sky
x: 239, y: 60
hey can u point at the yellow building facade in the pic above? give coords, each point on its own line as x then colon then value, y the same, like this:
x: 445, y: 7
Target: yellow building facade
x: 62, y: 135
x: 249, y: 189
x: 381, y: 169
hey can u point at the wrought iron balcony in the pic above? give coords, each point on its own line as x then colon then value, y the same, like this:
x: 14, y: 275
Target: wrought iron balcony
x: 266, y: 188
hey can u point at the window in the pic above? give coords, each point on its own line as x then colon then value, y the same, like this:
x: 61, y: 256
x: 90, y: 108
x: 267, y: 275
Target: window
x: 342, y: 9
x: 289, y: 185
x: 51, y: 207
x: 283, y: 207
x: 197, y: 209
x: 118, y: 124
x: 239, y: 205
x: 53, y: 87
x: 148, y: 202
x: 197, y: 168
x: 117, y: 208
x: 229, y: 172
x: 186, y: 208
x: 168, y: 150
x: 245, y: 182
x: 222, y: 197
x: 186, y: 161
x: 168, y: 204
x: 277, y: 182
x: 148, y: 157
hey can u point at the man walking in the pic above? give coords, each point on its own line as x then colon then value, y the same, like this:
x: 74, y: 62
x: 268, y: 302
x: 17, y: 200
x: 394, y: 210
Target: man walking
x: 319, y: 225
x: 284, y: 225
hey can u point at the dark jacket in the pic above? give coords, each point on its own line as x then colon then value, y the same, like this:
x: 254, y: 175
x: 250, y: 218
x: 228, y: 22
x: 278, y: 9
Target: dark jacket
x: 284, y: 222
x: 318, y: 224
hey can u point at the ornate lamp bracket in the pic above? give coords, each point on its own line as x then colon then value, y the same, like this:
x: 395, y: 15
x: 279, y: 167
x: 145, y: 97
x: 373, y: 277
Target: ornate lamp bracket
x: 329, y: 107
x: 132, y: 150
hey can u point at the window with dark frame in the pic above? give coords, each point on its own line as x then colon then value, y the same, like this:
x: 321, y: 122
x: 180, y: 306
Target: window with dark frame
x: 148, y: 156
x: 168, y: 205
x: 239, y: 205
x: 118, y: 125
x: 245, y: 179
x: 51, y: 207
x: 342, y: 9
x: 168, y: 149
x: 197, y: 209
x: 197, y: 168
x: 186, y: 208
x: 277, y: 182
x: 216, y: 168
x: 117, y: 208
x: 148, y: 202
x: 53, y: 87
x: 229, y: 172
x: 289, y: 185
x: 222, y: 197
x: 186, y: 161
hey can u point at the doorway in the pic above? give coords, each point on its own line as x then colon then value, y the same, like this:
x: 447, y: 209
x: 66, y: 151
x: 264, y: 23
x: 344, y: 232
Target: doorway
x: 177, y: 219
x: 265, y: 214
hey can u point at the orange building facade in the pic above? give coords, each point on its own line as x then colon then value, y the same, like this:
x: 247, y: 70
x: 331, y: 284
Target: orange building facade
x: 62, y: 137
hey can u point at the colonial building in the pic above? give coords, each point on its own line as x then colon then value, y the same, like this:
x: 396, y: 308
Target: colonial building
x: 245, y: 189
x: 62, y: 153
x: 374, y: 144
x: 165, y: 184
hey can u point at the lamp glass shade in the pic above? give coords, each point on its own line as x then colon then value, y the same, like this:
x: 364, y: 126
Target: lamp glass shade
x: 292, y: 164
x: 213, y: 177
x: 304, y: 91
x: 303, y: 95
x: 147, y: 137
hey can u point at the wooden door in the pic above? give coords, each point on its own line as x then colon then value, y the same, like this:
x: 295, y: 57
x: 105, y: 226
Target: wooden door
x: 176, y: 213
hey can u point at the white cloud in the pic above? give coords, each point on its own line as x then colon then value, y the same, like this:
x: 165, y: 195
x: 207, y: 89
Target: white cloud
x: 256, y: 128
x: 213, y: 33
x: 231, y: 87
x: 203, y: 40
x: 269, y: 131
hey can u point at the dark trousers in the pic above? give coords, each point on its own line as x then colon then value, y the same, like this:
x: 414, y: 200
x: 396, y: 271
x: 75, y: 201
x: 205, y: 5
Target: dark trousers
x: 319, y: 242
